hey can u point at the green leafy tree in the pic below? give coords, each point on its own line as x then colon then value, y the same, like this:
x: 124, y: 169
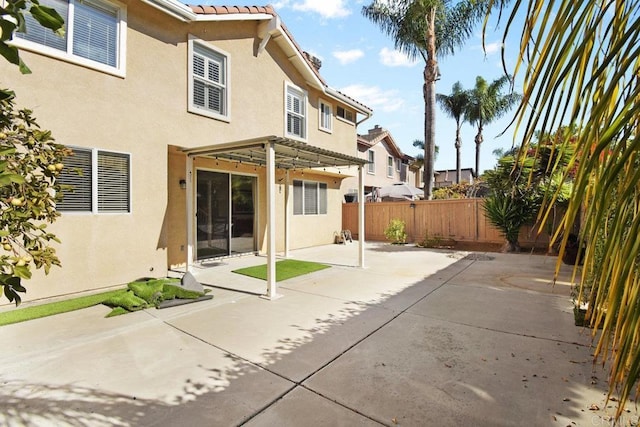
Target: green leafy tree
x: 30, y: 160
x: 521, y: 180
x: 427, y: 29
x: 12, y: 20
x: 454, y: 105
x: 486, y: 104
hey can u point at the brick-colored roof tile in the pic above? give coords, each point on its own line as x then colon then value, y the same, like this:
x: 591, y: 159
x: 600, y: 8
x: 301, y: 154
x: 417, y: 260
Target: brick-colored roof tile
x: 227, y: 10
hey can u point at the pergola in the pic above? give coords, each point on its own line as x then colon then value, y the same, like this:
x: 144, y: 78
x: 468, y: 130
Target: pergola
x: 272, y: 152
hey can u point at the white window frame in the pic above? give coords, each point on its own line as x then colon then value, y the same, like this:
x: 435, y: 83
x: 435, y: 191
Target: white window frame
x: 226, y: 85
x: 295, y: 91
x: 325, y: 116
x: 371, y: 166
x: 398, y: 165
x: 94, y: 177
x: 322, y: 198
x: 390, y: 166
x: 346, y: 112
x: 68, y: 55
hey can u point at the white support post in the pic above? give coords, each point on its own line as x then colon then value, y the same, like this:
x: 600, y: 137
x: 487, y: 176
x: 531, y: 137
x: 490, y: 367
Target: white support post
x: 287, y: 212
x: 361, y: 215
x: 272, y: 290
x: 190, y: 213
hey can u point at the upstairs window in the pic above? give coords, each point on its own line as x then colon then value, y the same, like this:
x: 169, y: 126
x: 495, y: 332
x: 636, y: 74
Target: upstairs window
x: 345, y: 114
x: 100, y: 182
x: 208, y: 82
x: 296, y: 115
x: 389, y: 166
x: 371, y: 157
x: 326, y: 116
x: 94, y: 34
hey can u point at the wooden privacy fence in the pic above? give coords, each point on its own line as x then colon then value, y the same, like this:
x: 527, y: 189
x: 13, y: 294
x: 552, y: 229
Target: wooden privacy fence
x: 456, y: 219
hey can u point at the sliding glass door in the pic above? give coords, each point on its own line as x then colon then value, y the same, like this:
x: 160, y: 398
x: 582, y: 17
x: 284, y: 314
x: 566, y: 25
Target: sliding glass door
x: 225, y: 214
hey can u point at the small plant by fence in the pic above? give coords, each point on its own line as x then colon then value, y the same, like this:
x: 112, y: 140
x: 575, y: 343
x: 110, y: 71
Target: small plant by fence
x: 456, y: 219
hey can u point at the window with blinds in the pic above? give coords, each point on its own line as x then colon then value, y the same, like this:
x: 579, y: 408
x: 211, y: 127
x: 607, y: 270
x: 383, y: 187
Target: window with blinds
x: 389, y: 166
x: 296, y: 113
x: 96, y: 181
x: 94, y: 31
x: 113, y: 182
x: 209, y: 80
x: 76, y: 181
x: 309, y: 198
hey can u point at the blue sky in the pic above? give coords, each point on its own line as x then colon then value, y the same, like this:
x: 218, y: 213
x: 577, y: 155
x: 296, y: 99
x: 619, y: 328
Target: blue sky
x: 360, y: 61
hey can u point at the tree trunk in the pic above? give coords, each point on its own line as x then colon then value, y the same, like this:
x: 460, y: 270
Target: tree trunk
x: 429, y: 91
x: 478, y: 141
x: 458, y: 145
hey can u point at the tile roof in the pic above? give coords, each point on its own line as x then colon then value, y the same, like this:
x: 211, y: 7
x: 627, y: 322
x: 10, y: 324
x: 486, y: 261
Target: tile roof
x: 227, y: 10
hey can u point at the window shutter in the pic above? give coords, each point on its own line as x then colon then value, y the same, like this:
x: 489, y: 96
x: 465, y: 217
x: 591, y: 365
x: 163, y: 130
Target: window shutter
x: 209, y: 79
x: 95, y: 32
x: 323, y: 198
x: 297, y: 198
x: 44, y: 36
x: 310, y: 198
x: 113, y: 182
x: 77, y: 173
x: 295, y: 113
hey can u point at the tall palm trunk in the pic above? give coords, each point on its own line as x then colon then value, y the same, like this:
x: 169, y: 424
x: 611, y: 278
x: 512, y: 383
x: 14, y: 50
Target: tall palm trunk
x: 478, y: 139
x: 458, y: 144
x: 429, y: 90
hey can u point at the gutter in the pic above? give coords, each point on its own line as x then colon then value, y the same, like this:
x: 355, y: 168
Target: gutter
x: 176, y: 9
x: 362, y: 109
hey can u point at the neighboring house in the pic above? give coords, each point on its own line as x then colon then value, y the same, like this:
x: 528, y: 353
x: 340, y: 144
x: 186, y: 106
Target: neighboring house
x: 446, y: 178
x: 387, y: 165
x: 199, y: 131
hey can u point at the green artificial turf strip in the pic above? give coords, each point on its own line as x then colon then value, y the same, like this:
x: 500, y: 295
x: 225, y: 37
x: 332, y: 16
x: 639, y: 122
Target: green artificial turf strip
x: 127, y: 300
x: 285, y: 269
x: 49, y: 309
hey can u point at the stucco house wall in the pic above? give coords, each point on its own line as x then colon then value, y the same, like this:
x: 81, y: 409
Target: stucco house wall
x: 144, y: 113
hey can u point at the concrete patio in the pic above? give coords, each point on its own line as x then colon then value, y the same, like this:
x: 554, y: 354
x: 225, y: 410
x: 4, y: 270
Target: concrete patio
x: 419, y: 337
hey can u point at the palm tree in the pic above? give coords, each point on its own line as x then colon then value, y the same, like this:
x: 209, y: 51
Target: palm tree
x: 418, y: 143
x: 427, y: 29
x: 580, y: 62
x: 487, y: 104
x: 455, y: 105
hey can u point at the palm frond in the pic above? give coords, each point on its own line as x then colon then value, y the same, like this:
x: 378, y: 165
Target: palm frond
x: 580, y: 63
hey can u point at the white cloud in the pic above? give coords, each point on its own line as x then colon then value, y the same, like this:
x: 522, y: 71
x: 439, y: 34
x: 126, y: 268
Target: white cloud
x: 394, y: 58
x: 492, y: 48
x: 279, y: 4
x: 325, y: 8
x: 348, y: 56
x: 374, y: 97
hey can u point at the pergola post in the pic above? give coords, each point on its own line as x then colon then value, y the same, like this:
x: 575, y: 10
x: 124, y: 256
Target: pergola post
x: 190, y: 213
x: 272, y: 290
x: 287, y: 212
x: 361, y: 215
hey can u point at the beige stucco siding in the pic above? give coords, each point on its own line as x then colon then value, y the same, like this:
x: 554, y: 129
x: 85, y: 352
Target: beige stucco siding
x: 145, y: 115
x: 305, y: 230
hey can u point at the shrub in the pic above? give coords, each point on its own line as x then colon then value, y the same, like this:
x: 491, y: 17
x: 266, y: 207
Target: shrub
x: 395, y: 231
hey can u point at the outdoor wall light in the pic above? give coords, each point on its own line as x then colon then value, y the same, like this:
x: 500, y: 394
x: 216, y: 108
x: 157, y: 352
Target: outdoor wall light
x: 183, y: 184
